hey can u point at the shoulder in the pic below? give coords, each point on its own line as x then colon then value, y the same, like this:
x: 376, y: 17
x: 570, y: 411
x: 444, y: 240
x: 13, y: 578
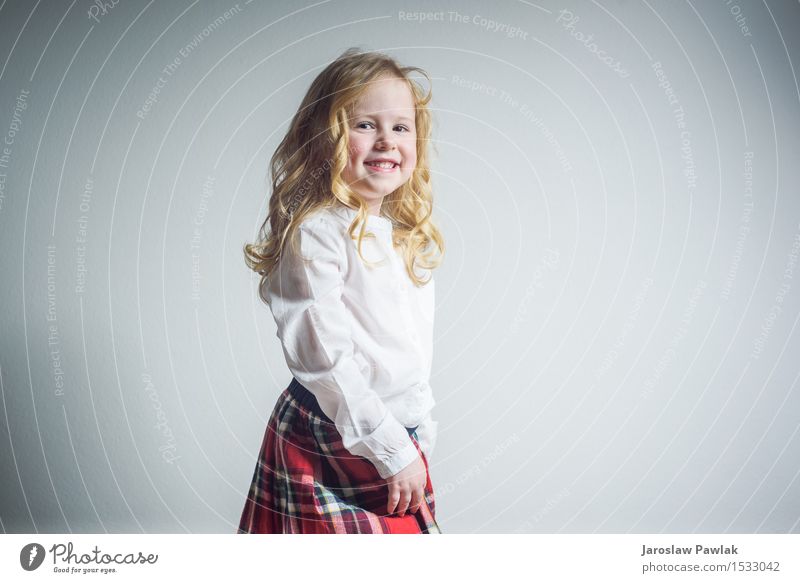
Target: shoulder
x: 322, y: 230
x: 325, y: 220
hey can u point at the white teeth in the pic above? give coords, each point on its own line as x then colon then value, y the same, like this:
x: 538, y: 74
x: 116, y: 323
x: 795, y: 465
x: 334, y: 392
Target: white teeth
x: 381, y: 164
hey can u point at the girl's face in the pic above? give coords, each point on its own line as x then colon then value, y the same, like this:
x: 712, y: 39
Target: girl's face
x: 383, y: 141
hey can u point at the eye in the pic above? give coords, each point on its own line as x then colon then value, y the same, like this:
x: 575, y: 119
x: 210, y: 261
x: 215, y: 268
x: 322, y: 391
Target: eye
x: 403, y: 127
x: 363, y: 123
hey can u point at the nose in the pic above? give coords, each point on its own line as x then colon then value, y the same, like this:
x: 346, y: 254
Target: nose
x: 385, y: 141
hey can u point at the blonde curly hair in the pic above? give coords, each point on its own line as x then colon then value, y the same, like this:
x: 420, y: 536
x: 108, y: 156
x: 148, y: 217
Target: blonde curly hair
x: 307, y: 169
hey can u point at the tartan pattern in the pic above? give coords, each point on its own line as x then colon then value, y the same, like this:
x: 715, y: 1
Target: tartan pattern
x: 306, y: 482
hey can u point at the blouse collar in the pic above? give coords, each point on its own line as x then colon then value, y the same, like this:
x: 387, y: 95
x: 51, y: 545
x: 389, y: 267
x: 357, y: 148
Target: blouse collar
x: 379, y: 223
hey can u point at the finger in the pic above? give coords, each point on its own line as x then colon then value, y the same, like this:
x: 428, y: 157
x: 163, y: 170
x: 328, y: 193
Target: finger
x: 416, y: 500
x: 402, y: 506
x: 393, y: 499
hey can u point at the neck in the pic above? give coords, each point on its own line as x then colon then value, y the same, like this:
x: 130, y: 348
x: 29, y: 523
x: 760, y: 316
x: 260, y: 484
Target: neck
x: 374, y: 207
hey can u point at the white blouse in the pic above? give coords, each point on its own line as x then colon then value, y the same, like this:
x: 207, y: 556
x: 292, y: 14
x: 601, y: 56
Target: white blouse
x: 360, y: 338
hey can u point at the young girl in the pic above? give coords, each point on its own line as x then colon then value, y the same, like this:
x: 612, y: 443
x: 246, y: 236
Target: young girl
x: 347, y: 272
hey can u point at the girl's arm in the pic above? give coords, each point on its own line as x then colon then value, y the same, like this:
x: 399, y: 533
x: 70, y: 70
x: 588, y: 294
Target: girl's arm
x: 315, y: 332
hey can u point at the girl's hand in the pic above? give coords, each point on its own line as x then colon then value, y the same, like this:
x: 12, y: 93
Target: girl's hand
x: 407, y: 488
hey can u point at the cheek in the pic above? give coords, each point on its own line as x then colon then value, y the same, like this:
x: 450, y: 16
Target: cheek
x: 410, y: 156
x: 409, y: 148
x: 356, y: 150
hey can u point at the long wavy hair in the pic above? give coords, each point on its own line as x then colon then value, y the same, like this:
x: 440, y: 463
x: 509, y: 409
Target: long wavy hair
x: 307, y: 169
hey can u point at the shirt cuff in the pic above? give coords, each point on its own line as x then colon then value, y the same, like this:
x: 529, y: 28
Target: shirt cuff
x: 388, y: 446
x: 389, y: 466
x: 427, y: 433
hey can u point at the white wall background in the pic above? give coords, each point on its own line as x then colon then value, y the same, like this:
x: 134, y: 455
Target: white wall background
x: 616, y: 343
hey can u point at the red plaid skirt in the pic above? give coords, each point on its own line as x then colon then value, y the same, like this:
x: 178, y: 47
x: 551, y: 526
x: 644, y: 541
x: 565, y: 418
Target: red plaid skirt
x: 305, y: 481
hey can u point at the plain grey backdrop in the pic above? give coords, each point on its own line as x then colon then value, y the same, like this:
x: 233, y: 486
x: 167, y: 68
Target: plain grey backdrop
x: 616, y: 326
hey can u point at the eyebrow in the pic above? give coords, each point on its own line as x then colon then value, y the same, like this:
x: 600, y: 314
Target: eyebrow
x: 401, y: 118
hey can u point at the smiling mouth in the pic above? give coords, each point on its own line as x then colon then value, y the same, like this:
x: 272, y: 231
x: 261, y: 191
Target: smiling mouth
x: 382, y: 166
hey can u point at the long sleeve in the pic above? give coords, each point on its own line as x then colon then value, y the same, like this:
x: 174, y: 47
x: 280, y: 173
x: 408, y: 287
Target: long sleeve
x: 314, y: 327
x: 427, y: 432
